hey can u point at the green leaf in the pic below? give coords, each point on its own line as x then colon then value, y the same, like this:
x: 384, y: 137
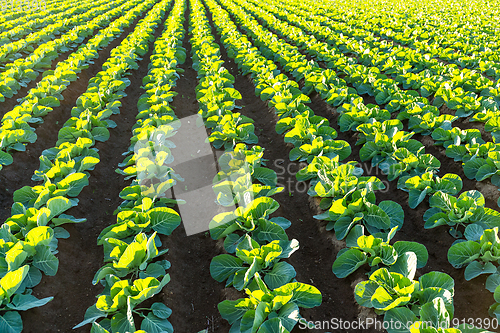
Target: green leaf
x: 60, y: 232
x: 161, y: 310
x: 463, y: 253
x: 348, y: 262
x: 406, y: 265
x: 45, y: 260
x: 442, y: 201
x: 234, y: 310
x: 280, y: 275
x: 416, y: 197
x: 40, y: 236
x: 97, y: 328
x: 100, y: 134
x: 352, y: 238
x: 471, y: 167
x: 261, y: 207
x: 496, y: 294
x: 154, y: 324
x: 304, y: 295
x: 289, y: 315
x: 492, y: 282
x: 120, y: 323
x: 33, y: 278
x: 473, y: 232
x: 377, y: 218
x: 63, y: 218
x: 223, y: 266
x: 394, y: 211
x: 132, y: 257
x: 164, y: 220
x: 402, y: 315
x: 22, y: 302
x: 438, y: 280
x: 5, y: 158
x: 58, y: 205
x: 265, y: 176
x: 11, y: 281
x: 475, y: 268
x: 49, y: 101
x: 273, y: 325
x: 419, y: 249
x: 24, y: 194
x: 436, y: 313
x: 364, y: 291
x: 271, y: 231
x: 11, y: 322
x: 74, y: 183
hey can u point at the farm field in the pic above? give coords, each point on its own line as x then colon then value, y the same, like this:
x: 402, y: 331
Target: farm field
x: 250, y: 166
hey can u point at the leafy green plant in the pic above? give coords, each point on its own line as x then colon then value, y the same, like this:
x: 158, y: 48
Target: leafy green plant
x: 468, y: 208
x: 428, y: 183
x: 231, y: 129
x: 266, y: 310
x: 264, y: 259
x: 455, y: 136
x: 427, y: 123
x: 332, y: 180
x: 403, y: 257
x: 383, y: 146
x: 479, y: 252
x: 387, y: 290
x: 359, y: 208
x: 484, y: 168
x: 318, y: 146
x: 121, y: 305
x: 239, y: 170
x: 404, y: 164
x: 253, y: 219
x: 305, y: 132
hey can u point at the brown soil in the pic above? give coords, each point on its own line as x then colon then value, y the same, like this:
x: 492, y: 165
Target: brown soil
x: 192, y: 293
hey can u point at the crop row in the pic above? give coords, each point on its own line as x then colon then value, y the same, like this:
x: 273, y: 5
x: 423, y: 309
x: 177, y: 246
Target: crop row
x: 30, y: 236
x: 13, y: 48
x: 16, y: 130
x: 133, y: 272
x: 351, y: 208
x: 422, y: 118
x: 26, y: 25
x: 22, y: 71
x: 9, y: 17
x: 259, y: 36
x: 454, y: 39
x: 255, y: 243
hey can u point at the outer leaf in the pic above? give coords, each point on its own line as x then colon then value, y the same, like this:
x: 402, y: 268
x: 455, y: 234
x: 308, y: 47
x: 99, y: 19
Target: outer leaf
x: 280, y: 275
x: 405, y: 265
x: 463, y: 253
x: 419, y: 249
x: 153, y: 324
x: 348, y: 262
x: 45, y: 261
x: 475, y: 268
x: 11, y: 322
x: 402, y: 315
x: 224, y: 265
x: 164, y: 220
x: 22, y: 302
